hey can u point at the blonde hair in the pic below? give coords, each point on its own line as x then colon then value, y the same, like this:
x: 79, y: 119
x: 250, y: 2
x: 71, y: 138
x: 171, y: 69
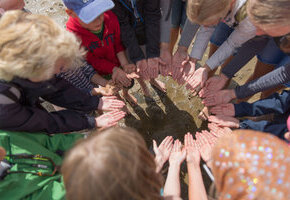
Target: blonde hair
x: 265, y: 12
x: 200, y: 11
x: 31, y: 44
x: 113, y: 164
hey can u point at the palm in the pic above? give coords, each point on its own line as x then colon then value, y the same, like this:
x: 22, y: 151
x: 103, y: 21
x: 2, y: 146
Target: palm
x: 224, y: 109
x: 166, y: 57
x: 110, y: 103
x: 153, y: 64
x: 109, y: 119
x: 177, y: 154
x: 198, y: 79
x: 220, y: 97
x: 192, y: 155
x: 178, y: 58
x: 224, y: 121
x: 213, y: 84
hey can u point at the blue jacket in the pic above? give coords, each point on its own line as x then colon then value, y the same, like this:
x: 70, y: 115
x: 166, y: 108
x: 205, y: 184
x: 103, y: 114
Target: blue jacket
x: 20, y: 108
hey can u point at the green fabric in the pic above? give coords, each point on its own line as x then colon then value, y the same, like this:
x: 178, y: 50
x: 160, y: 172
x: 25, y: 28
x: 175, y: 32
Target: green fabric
x: 27, y: 185
x: 99, y: 33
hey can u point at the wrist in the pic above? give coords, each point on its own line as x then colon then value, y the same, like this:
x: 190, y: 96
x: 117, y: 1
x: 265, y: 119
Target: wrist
x: 182, y: 49
x: 224, y: 77
x: 206, y: 67
x: 233, y: 94
x: 193, y: 164
x: 174, y: 164
x: 164, y: 46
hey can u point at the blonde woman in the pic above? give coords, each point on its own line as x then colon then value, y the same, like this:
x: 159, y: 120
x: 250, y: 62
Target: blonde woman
x: 33, y: 48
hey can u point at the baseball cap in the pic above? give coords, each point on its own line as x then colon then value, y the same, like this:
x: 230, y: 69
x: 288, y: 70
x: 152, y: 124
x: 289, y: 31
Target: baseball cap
x: 88, y: 10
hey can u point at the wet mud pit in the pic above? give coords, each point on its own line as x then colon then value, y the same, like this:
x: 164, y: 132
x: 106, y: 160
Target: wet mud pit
x: 174, y: 113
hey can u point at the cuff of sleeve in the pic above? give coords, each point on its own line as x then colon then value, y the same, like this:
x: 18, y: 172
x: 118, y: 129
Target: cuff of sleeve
x: 135, y: 60
x: 239, y: 109
x: 91, y: 122
x: 195, y: 54
x: 211, y: 64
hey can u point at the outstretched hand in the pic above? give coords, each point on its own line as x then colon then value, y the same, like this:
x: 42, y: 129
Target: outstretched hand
x: 224, y: 121
x: 213, y: 84
x: 219, y: 131
x: 188, y: 71
x: 178, y: 154
x: 198, y: 79
x: 178, y: 59
x: 110, y: 103
x: 153, y: 67
x: 205, y: 148
x: 109, y: 119
x: 162, y: 152
x: 165, y: 60
x: 219, y: 97
x: 142, y: 69
x: 224, y: 109
x: 192, y: 152
x: 120, y: 77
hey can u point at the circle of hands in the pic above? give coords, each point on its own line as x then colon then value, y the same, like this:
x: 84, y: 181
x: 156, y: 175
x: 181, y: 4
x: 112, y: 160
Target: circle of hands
x: 193, y: 149
x: 182, y: 69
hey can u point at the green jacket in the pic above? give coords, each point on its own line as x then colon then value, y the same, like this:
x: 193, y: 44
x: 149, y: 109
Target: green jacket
x: 34, y: 157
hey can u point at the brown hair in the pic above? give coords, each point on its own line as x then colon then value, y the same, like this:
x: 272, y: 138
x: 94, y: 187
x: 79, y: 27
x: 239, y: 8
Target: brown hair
x: 112, y: 164
x: 200, y: 11
x: 264, y: 12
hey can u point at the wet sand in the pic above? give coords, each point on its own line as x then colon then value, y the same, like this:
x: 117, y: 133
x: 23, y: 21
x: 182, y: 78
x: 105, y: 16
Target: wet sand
x: 174, y: 113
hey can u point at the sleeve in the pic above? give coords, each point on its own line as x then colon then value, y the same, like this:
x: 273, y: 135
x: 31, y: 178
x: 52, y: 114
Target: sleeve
x: 118, y: 43
x: 276, y: 77
x: 201, y: 42
x: 16, y: 117
x: 128, y: 34
x: 88, y: 71
x: 242, y: 33
x: 188, y: 33
x: 70, y: 97
x: 152, y: 16
x: 276, y: 103
x: 245, y: 53
x: 103, y: 66
x: 165, y: 24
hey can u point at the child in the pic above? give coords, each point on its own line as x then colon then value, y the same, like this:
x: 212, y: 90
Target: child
x: 115, y: 164
x: 99, y: 32
x: 26, y: 78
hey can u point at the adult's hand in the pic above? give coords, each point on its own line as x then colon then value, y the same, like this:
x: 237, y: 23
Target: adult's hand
x: 219, y: 97
x: 129, y: 68
x: 165, y: 59
x: 110, y: 103
x: 188, y: 71
x: 213, y: 84
x: 205, y: 148
x: 224, y: 109
x: 153, y: 67
x: 142, y: 69
x: 109, y: 119
x: 198, y: 79
x: 120, y: 77
x: 178, y: 59
x: 224, y: 121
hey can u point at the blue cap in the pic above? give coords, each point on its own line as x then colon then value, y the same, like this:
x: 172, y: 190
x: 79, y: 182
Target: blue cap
x: 88, y: 10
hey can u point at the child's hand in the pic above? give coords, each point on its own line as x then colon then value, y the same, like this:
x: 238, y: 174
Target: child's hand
x: 192, y: 152
x: 178, y: 154
x: 110, y: 103
x: 109, y: 119
x: 205, y: 148
x: 109, y: 90
x: 129, y: 68
x: 162, y: 152
x: 120, y: 77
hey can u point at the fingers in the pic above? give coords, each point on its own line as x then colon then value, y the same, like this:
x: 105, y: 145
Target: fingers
x: 132, y: 75
x: 116, y: 115
x: 217, y: 110
x: 155, y: 148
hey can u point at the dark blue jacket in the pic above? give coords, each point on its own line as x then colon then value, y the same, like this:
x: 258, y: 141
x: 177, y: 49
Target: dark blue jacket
x: 20, y: 108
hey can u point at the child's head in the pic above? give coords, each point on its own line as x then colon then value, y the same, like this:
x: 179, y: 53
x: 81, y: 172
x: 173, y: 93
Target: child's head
x: 112, y: 164
x: 251, y: 165
x: 35, y: 47
x: 12, y: 4
x: 88, y: 12
x: 271, y: 17
x: 208, y: 12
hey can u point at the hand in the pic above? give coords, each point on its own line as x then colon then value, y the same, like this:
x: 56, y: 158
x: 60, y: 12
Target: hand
x: 162, y: 152
x: 192, y: 153
x: 212, y: 139
x: 153, y: 67
x: 219, y: 131
x: 165, y: 59
x: 179, y: 57
x: 109, y: 119
x: 224, y: 109
x: 220, y: 97
x: 177, y: 155
x: 213, y: 84
x: 109, y: 90
x: 188, y: 71
x: 205, y: 148
x: 120, y: 77
x: 129, y: 68
x: 142, y: 69
x: 224, y: 121
x: 197, y: 79
x: 110, y: 103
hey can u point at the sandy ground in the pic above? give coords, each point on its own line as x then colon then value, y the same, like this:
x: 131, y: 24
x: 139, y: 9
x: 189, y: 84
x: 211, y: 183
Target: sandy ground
x: 174, y: 113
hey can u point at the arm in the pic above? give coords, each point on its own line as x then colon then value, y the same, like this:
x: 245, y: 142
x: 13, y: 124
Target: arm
x: 152, y: 16
x: 276, y: 103
x: 278, y: 76
x: 122, y: 58
x: 245, y: 53
x: 128, y: 33
x: 188, y: 33
x: 165, y: 24
x: 245, y: 31
x: 196, y: 190
x: 201, y: 42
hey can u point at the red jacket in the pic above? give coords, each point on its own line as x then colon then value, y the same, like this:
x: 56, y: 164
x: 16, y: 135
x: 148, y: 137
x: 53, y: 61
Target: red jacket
x: 102, y: 54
